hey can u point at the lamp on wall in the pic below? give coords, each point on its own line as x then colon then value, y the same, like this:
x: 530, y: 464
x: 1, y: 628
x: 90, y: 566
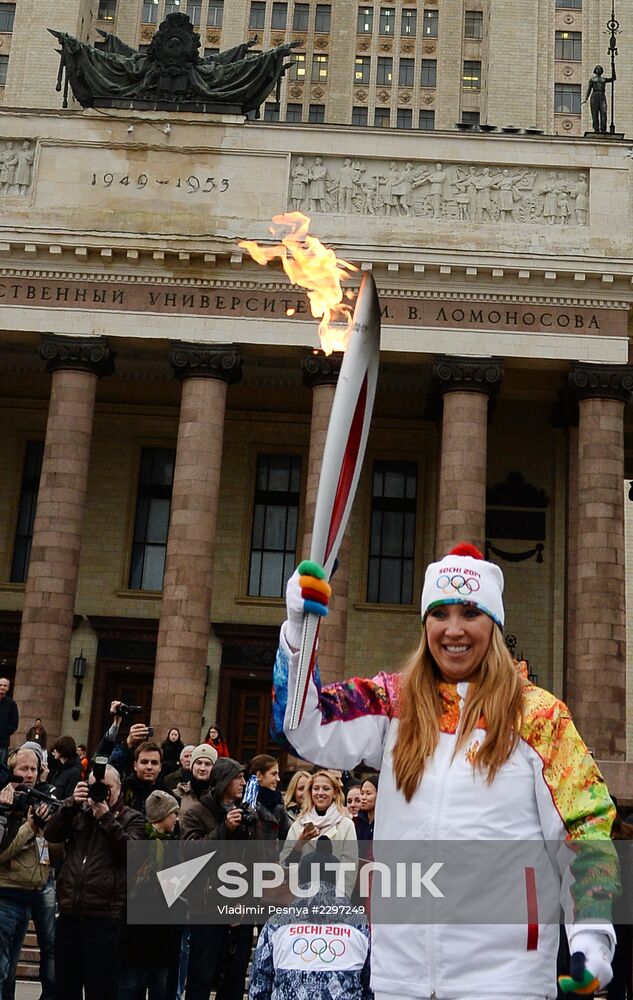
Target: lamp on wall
x: 79, y: 672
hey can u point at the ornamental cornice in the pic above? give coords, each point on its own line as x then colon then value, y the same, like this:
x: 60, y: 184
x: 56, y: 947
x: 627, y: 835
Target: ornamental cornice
x: 83, y: 354
x: 588, y: 381
x: 321, y: 369
x: 222, y: 361
x: 465, y: 374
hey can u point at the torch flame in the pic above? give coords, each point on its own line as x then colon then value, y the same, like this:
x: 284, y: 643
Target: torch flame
x: 315, y: 267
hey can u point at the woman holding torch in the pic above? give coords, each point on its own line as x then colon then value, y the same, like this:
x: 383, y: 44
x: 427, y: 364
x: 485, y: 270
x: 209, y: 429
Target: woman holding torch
x: 466, y: 747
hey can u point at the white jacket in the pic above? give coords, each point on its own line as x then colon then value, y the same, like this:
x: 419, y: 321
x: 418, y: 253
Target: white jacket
x: 549, y: 791
x: 344, y: 846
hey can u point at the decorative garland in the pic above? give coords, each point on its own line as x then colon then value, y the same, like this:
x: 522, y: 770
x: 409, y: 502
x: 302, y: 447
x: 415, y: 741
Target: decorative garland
x: 516, y: 556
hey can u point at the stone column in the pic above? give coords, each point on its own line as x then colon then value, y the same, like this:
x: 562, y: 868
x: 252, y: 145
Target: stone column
x: 320, y: 373
x: 466, y: 384
x: 596, y: 684
x: 183, y: 634
x: 49, y: 600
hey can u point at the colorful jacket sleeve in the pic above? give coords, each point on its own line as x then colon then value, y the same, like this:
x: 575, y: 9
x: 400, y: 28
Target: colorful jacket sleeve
x: 343, y: 724
x: 263, y: 970
x: 576, y: 813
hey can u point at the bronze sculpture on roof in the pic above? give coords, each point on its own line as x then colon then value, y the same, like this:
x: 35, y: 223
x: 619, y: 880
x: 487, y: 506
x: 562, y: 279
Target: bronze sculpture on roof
x: 171, y: 73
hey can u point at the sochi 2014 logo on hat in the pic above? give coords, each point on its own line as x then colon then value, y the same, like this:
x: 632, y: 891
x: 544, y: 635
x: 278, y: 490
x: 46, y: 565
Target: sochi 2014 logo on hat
x: 465, y: 586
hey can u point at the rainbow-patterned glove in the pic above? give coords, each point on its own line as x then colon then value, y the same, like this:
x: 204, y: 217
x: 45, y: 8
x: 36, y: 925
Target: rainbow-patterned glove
x: 589, y: 965
x: 307, y: 591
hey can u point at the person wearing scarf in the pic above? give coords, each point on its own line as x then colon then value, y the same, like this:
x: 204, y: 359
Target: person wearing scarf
x: 263, y: 796
x: 323, y: 815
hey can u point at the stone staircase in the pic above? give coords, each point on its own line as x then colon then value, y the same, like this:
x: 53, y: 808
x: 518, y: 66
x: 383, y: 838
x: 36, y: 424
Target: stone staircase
x: 28, y: 966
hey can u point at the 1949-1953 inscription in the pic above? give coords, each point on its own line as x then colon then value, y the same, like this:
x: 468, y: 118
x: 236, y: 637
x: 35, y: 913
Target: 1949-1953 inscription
x: 191, y: 184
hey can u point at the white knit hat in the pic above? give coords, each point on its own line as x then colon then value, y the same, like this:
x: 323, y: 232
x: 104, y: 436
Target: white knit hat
x: 464, y: 577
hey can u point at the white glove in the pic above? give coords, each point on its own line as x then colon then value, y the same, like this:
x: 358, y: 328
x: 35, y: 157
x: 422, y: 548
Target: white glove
x: 293, y: 626
x: 597, y: 949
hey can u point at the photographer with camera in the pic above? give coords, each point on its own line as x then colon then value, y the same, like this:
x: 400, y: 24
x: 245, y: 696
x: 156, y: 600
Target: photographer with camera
x: 121, y: 754
x: 218, y: 949
x: 24, y: 866
x: 95, y: 827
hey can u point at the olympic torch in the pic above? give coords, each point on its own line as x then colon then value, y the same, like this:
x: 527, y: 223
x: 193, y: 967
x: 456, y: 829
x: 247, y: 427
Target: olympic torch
x: 343, y: 454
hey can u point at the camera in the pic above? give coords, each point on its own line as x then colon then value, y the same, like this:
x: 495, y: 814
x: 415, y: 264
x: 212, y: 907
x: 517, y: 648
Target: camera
x: 99, y: 791
x: 248, y: 822
x: 24, y: 798
x: 125, y: 710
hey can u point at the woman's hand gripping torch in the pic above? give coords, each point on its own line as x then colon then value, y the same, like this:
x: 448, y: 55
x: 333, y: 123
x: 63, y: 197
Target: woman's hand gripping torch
x: 340, y: 470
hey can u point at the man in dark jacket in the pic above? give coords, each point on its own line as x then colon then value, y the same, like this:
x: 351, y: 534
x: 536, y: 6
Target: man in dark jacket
x: 9, y: 718
x: 182, y: 773
x: 145, y: 777
x: 218, y: 948
x: 67, y: 771
x: 91, y: 887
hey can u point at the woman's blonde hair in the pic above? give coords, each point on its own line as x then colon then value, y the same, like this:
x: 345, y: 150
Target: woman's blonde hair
x: 339, y: 798
x: 496, y: 694
x: 289, y: 794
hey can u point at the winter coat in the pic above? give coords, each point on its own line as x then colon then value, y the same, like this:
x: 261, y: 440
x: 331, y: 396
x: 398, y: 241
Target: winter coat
x: 344, y: 846
x: 364, y: 828
x: 9, y: 719
x: 220, y: 745
x: 273, y: 817
x: 177, y: 777
x: 135, y: 792
x: 338, y: 950
x: 20, y: 870
x: 205, y: 819
x: 171, y: 756
x: 92, y: 880
x: 66, y: 777
x: 549, y: 793
x: 153, y: 944
x: 188, y: 796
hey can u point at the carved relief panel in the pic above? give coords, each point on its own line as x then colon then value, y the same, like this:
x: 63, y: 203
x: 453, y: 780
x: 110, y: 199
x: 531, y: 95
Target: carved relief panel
x: 16, y: 167
x: 455, y: 192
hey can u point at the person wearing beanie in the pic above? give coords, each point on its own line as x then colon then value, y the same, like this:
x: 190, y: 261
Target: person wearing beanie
x: 161, y: 810
x: 467, y: 748
x: 182, y: 772
x: 219, y: 949
x: 190, y: 792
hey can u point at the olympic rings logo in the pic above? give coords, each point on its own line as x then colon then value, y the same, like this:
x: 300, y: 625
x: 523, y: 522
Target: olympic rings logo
x: 465, y: 586
x: 326, y: 951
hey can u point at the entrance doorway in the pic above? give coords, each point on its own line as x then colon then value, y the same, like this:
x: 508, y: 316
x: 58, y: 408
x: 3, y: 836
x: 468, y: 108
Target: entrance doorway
x: 244, y: 699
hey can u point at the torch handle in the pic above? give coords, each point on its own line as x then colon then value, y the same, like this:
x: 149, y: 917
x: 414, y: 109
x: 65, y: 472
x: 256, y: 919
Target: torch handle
x: 305, y: 669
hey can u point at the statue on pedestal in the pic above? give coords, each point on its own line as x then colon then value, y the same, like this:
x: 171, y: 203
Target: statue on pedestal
x: 597, y: 90
x: 171, y: 71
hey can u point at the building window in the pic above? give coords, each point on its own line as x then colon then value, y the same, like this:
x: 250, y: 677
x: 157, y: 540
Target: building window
x: 271, y: 111
x: 406, y: 73
x: 404, y: 118
x: 300, y: 17
x: 319, y: 69
x: 106, y: 11
x: 4, y: 65
x: 275, y: 521
x: 7, y: 16
x: 567, y: 98
x: 323, y: 17
x: 149, y: 14
x: 359, y: 116
x: 568, y: 45
x: 470, y: 117
x: 316, y: 114
x: 430, y: 23
x: 294, y: 112
x: 280, y: 17
x: 257, y: 16
x: 365, y: 21
x: 387, y: 20
x: 392, y: 535
x: 427, y: 121
x: 215, y: 13
x: 409, y: 23
x: 384, y: 75
x: 428, y: 76
x: 382, y: 118
x: 213, y: 51
x: 473, y: 24
x: 298, y: 70
x: 26, y: 510
x: 471, y: 77
x: 569, y: 4
x: 194, y: 10
x: 174, y: 7
x: 362, y: 68
x: 151, y: 524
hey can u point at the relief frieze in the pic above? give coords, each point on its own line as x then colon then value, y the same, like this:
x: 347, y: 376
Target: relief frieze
x: 451, y: 192
x: 16, y: 167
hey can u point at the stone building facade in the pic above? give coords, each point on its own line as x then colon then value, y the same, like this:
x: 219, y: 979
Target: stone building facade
x: 164, y: 408
x: 398, y: 63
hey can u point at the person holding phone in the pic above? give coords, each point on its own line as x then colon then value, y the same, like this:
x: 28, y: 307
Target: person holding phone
x: 323, y: 815
x: 145, y: 777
